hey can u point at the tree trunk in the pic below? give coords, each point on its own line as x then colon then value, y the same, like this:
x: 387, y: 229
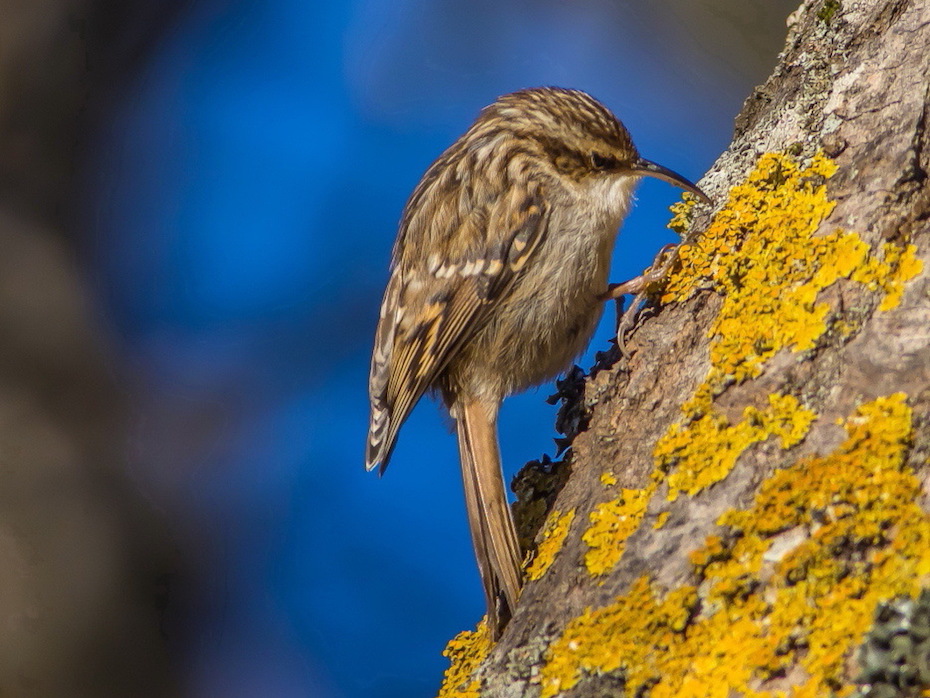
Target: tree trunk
x: 743, y: 507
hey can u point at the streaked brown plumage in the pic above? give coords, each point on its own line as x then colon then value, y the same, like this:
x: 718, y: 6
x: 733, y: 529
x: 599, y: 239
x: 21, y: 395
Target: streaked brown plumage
x: 501, y: 258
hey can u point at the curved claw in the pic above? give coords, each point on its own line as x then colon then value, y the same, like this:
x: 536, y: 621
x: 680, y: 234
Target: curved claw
x: 666, y: 257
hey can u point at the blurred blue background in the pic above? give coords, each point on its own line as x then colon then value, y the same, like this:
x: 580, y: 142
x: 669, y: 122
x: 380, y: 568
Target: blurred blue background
x: 243, y: 201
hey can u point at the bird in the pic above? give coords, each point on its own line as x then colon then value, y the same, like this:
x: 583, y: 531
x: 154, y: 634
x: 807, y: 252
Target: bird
x: 497, y: 281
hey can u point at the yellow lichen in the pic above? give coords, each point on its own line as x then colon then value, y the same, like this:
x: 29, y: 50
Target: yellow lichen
x: 705, y: 451
x: 465, y: 651
x: 552, y: 539
x: 869, y: 538
x: 762, y: 254
x: 661, y: 520
x: 899, y: 264
x: 865, y: 539
x: 608, y: 479
x: 611, y: 524
x: 623, y: 635
x: 681, y: 213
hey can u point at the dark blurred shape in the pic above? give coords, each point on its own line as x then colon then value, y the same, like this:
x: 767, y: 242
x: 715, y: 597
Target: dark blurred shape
x: 59, y: 60
x: 84, y: 562
x: 82, y: 559
x: 41, y: 84
x: 734, y: 38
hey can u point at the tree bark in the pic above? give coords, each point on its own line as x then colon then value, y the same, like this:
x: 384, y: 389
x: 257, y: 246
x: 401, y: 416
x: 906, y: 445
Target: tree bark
x: 743, y: 509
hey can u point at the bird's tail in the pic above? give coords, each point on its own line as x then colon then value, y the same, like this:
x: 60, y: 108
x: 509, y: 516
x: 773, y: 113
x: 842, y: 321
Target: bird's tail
x: 492, y: 529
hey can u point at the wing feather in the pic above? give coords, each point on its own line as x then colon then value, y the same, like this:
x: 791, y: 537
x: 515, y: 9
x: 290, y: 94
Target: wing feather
x: 431, y: 309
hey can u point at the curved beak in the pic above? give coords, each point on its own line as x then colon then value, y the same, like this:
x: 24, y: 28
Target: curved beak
x: 651, y: 169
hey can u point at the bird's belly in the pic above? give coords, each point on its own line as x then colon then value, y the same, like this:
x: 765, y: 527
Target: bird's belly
x: 560, y: 327
x: 536, y: 333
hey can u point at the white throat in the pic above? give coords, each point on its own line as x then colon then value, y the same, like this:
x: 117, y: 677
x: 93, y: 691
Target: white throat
x: 612, y: 196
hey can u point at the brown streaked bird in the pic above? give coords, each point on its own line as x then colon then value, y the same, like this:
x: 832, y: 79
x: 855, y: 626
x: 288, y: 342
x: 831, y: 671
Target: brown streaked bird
x: 497, y: 280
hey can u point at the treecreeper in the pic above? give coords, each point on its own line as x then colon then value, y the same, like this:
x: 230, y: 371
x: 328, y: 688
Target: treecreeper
x: 498, y: 278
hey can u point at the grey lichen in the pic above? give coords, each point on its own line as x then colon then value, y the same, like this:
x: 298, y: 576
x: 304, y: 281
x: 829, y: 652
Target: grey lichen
x: 895, y: 656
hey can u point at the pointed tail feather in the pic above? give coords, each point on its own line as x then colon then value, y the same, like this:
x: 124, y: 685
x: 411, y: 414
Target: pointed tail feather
x: 492, y: 529
x: 381, y: 438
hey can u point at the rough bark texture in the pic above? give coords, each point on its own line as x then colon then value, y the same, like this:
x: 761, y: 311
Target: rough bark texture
x: 809, y: 412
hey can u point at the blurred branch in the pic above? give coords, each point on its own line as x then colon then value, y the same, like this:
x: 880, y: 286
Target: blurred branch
x: 84, y: 561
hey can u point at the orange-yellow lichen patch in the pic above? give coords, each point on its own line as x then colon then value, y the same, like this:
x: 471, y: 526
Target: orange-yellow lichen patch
x: 681, y: 213
x: 899, y: 264
x: 611, y: 524
x: 621, y: 636
x: 608, y: 479
x: 754, y: 617
x: 705, y: 451
x: 661, y: 520
x: 465, y: 651
x: 870, y: 539
x: 552, y: 539
x: 761, y: 253
x: 702, y: 453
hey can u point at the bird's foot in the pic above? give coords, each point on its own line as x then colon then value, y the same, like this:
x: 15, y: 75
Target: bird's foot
x: 638, y: 287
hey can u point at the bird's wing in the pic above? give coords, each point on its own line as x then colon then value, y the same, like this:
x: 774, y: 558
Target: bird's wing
x: 432, y: 306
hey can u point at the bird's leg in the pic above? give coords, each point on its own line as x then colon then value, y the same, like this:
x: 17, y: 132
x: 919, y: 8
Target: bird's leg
x: 638, y: 287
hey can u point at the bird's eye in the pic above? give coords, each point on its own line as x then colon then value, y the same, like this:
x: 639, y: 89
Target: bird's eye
x: 602, y: 162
